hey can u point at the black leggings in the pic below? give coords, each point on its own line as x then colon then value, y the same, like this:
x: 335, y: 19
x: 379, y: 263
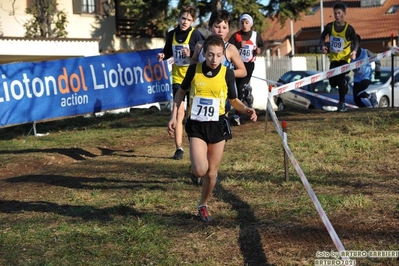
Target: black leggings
x: 240, y: 82
x: 339, y: 80
x: 359, y: 93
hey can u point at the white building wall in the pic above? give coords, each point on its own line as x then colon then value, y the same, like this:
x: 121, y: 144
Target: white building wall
x: 259, y: 83
x: 13, y: 17
x: 260, y: 88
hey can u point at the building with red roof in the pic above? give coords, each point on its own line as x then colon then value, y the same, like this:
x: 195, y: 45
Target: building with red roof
x: 376, y: 21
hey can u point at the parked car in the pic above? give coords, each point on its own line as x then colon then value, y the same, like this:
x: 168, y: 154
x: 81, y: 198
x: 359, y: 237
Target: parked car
x: 157, y: 106
x: 383, y: 88
x: 301, y: 100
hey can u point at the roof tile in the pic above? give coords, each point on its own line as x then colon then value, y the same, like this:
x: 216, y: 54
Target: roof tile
x: 369, y: 22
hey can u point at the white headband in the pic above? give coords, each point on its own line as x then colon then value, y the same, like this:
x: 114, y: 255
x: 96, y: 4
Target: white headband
x: 246, y: 16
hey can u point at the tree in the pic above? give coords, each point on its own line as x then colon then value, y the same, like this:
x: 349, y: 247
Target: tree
x: 156, y: 21
x: 280, y: 9
x: 287, y: 9
x: 47, y: 21
x: 151, y: 18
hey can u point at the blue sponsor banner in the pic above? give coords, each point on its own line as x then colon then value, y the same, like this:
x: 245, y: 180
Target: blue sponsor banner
x: 36, y: 91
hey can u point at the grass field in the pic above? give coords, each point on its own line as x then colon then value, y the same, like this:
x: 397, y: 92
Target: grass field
x: 105, y: 191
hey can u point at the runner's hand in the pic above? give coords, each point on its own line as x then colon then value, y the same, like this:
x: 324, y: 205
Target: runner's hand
x: 160, y: 56
x: 251, y: 113
x: 171, y: 127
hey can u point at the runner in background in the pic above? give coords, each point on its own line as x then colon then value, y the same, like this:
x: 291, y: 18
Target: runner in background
x: 219, y: 24
x: 362, y: 79
x: 342, y: 48
x: 250, y: 44
x: 180, y: 44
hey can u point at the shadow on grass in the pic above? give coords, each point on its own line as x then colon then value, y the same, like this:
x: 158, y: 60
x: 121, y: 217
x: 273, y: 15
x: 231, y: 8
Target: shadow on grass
x: 136, y: 118
x: 79, y: 154
x: 84, y: 212
x: 86, y: 183
x: 75, y: 153
x: 249, y: 237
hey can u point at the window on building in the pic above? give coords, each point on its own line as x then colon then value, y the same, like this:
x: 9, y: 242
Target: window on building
x: 392, y: 9
x: 312, y: 10
x: 87, y: 7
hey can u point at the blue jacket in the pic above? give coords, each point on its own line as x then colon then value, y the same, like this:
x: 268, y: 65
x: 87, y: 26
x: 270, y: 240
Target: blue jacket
x: 365, y: 71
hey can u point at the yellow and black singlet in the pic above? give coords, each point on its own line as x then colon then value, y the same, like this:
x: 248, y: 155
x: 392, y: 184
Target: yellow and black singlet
x: 207, y: 95
x: 340, y: 48
x: 181, y: 62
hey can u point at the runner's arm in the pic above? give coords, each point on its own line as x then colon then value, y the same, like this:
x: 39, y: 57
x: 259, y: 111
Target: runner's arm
x: 194, y: 58
x: 352, y: 36
x: 326, y: 31
x: 233, y: 56
x: 167, y: 49
x: 195, y: 38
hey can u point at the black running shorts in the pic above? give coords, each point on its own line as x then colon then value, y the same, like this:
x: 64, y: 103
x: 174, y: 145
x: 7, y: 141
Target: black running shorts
x: 210, y: 132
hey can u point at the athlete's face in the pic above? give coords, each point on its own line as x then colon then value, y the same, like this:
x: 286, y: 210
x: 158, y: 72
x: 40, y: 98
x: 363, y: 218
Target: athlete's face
x: 221, y: 29
x: 185, y: 21
x: 214, y: 56
x: 339, y: 16
x: 245, y: 25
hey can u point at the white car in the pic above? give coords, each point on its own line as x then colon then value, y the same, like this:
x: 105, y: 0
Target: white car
x: 160, y: 106
x: 298, y: 99
x: 383, y: 88
x: 157, y: 106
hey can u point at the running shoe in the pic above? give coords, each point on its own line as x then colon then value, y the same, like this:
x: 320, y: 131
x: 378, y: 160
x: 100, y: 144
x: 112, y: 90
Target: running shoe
x: 204, y: 214
x: 235, y: 121
x: 196, y: 180
x: 341, y: 107
x: 178, y: 154
x: 373, y: 100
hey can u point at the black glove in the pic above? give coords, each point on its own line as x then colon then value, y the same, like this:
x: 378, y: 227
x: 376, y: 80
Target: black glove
x: 377, y: 75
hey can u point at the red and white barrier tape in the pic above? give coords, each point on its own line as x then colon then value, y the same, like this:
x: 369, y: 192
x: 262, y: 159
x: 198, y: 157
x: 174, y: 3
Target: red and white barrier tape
x: 309, y: 93
x: 330, y: 73
x: 324, y: 97
x: 337, y: 242
x: 268, y: 81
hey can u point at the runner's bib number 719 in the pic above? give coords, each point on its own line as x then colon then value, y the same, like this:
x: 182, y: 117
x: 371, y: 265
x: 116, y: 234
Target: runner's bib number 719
x: 205, y: 109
